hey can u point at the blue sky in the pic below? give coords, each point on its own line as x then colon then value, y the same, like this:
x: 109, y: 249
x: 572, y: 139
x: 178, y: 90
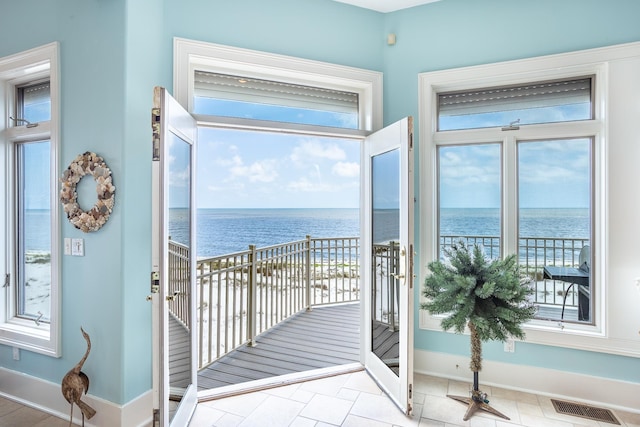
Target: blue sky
x: 551, y: 174
x: 246, y: 169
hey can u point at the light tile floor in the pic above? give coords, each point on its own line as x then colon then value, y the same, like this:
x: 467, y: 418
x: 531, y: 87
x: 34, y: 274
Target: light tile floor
x: 354, y: 400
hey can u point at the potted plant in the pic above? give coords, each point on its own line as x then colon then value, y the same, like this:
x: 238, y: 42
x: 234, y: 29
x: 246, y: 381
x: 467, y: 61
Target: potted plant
x: 488, y: 297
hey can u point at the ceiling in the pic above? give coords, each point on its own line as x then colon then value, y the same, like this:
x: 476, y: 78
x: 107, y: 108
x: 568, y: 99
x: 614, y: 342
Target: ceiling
x: 386, y: 5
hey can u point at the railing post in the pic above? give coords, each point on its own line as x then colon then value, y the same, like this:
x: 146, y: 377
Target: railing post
x: 252, y: 314
x: 308, y: 272
x: 392, y: 283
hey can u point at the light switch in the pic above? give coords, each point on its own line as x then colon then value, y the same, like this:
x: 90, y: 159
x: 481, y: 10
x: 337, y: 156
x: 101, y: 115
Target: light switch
x: 67, y: 246
x: 77, y: 247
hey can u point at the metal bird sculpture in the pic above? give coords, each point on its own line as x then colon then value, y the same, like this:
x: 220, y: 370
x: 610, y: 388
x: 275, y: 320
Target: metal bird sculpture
x: 76, y: 382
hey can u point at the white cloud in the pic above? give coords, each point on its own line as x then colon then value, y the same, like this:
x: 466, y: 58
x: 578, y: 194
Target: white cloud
x: 310, y: 150
x: 346, y: 169
x: 179, y: 178
x: 304, y: 185
x: 261, y: 171
x: 237, y: 186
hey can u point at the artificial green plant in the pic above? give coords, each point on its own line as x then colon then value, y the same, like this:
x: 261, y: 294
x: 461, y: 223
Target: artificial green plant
x: 489, y: 297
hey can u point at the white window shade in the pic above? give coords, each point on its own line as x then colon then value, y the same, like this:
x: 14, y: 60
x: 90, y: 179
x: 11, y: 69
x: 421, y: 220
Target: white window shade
x: 257, y: 91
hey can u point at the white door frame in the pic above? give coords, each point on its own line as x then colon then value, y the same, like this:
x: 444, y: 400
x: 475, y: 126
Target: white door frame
x: 170, y: 123
x: 398, y: 136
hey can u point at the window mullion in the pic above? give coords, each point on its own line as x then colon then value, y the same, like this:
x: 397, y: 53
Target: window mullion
x: 509, y: 195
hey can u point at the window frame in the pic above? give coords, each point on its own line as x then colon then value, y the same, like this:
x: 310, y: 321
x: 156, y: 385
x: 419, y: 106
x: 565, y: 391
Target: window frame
x: 574, y: 64
x: 31, y: 66
x: 190, y: 55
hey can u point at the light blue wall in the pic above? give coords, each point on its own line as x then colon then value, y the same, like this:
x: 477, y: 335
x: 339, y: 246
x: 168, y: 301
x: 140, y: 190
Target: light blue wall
x: 92, y: 37
x: 112, y: 54
x: 312, y: 29
x: 143, y: 70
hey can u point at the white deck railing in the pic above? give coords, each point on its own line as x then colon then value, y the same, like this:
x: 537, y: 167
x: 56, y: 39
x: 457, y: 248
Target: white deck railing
x: 534, y: 254
x: 240, y: 295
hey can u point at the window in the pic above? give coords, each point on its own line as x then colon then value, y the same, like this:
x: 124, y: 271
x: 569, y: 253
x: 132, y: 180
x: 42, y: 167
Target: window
x: 239, y: 88
x: 523, y: 104
x: 251, y: 98
x: 469, y: 178
x: 29, y: 314
x: 552, y: 186
x: 512, y: 161
x: 554, y: 225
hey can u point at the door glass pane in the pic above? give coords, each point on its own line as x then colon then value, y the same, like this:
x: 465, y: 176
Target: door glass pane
x: 554, y: 216
x: 385, y: 188
x: 469, y: 179
x: 34, y: 231
x: 179, y: 268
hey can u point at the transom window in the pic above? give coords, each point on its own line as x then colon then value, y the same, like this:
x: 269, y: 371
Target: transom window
x: 245, y: 97
x: 522, y: 104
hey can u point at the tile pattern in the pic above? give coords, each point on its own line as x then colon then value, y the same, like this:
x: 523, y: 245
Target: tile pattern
x: 354, y: 400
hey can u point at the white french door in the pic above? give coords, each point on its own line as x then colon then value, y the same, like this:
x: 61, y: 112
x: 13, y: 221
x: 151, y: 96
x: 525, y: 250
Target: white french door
x: 386, y: 211
x: 173, y: 262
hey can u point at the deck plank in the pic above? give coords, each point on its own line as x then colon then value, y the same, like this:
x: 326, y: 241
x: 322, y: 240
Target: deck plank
x: 326, y: 336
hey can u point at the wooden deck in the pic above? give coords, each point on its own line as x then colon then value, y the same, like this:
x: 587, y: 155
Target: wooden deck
x: 324, y: 337
x: 179, y: 362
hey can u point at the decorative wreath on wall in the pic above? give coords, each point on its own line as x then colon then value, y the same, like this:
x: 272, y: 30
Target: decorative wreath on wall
x: 88, y: 164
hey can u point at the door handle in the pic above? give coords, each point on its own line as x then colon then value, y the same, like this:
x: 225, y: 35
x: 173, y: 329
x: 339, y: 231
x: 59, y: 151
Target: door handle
x: 402, y: 266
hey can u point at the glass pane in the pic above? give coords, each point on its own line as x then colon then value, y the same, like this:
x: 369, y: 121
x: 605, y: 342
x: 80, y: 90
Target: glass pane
x: 276, y: 113
x: 533, y: 103
x: 554, y: 212
x: 34, y: 231
x: 266, y: 188
x: 385, y: 326
x: 35, y: 102
x: 469, y: 178
x: 251, y: 98
x: 180, y: 252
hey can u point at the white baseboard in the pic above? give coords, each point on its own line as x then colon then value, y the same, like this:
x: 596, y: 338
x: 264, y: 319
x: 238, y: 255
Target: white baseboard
x: 47, y: 397
x: 598, y: 391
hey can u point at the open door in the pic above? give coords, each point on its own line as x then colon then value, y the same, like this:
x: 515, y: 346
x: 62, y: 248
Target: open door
x: 387, y: 260
x: 173, y: 262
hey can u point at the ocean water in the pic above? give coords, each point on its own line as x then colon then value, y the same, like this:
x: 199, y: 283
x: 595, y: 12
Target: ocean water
x: 223, y: 231
x: 540, y: 223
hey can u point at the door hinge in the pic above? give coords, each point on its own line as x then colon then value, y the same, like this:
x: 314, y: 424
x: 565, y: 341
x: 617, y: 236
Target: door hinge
x: 155, y: 126
x: 410, y: 391
x: 7, y: 280
x: 156, y: 418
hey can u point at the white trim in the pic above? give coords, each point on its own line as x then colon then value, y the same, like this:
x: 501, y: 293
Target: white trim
x: 598, y: 391
x: 34, y: 64
x: 46, y: 396
x: 278, y: 381
x: 606, y: 335
x: 190, y: 55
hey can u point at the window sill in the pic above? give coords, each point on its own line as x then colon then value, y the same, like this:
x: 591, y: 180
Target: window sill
x: 21, y: 334
x: 567, y: 335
